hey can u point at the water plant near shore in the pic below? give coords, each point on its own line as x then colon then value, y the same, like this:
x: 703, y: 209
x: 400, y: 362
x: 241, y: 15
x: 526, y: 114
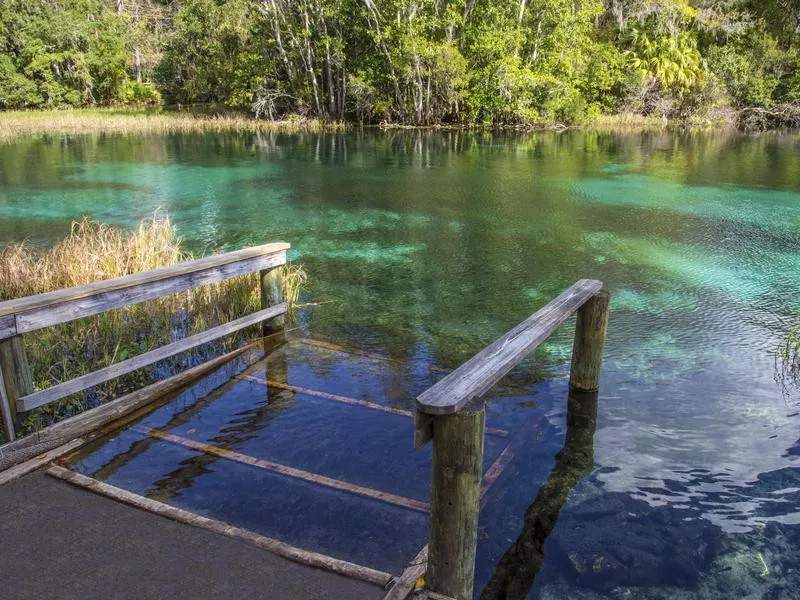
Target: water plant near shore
x: 787, y: 362
x: 135, y: 121
x: 94, y: 251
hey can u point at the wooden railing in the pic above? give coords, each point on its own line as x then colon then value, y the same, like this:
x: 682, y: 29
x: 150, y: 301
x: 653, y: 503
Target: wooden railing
x: 452, y: 414
x: 24, y: 315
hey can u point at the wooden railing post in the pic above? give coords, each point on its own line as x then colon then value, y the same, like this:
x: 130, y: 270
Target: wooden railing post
x: 271, y: 294
x: 455, y: 495
x: 17, y: 381
x: 587, y: 349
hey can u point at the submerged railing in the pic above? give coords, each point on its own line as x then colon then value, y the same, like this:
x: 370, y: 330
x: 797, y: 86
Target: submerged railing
x: 452, y: 414
x: 24, y: 315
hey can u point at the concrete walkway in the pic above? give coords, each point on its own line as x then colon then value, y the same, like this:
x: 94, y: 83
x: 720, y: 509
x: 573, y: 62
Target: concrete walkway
x: 58, y: 541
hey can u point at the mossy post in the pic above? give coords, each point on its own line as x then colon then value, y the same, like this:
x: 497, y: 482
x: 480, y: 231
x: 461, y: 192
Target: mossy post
x: 17, y: 381
x: 590, y: 337
x: 455, y: 496
x: 271, y: 281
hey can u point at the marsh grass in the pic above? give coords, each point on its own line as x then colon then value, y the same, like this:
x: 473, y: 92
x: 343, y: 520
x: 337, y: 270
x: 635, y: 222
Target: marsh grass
x: 95, y: 251
x: 121, y: 121
x: 787, y: 362
x: 626, y: 122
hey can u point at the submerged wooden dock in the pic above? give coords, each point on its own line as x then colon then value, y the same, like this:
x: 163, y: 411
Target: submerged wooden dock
x: 451, y: 414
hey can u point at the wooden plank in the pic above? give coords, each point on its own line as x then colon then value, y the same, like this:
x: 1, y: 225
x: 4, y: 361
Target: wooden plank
x: 16, y: 376
x: 69, y: 309
x: 480, y: 373
x: 79, y: 384
x: 455, y: 494
x: 407, y: 582
x: 27, y: 303
x: 499, y: 465
x: 39, y: 461
x: 267, y: 465
x: 7, y: 410
x: 327, y: 396
x: 347, y: 400
x: 112, y: 414
x: 587, y: 349
x: 271, y: 288
x: 8, y: 326
x: 292, y: 553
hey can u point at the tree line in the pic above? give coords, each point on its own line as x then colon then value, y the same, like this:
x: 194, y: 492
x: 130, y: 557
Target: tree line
x: 418, y: 62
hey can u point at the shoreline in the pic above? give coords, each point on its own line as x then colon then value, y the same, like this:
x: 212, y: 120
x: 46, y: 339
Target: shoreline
x: 127, y: 121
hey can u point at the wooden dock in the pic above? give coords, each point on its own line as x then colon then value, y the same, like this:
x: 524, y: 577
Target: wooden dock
x: 451, y: 414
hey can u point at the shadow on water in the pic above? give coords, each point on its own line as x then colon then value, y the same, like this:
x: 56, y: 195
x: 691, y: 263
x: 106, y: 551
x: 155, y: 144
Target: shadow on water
x: 515, y: 572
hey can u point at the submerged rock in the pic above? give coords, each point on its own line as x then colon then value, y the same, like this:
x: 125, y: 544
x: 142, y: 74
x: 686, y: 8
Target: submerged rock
x: 616, y: 540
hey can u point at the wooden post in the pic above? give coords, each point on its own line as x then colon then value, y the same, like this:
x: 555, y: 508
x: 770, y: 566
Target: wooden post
x: 15, y: 375
x: 271, y: 281
x: 587, y: 350
x: 455, y: 493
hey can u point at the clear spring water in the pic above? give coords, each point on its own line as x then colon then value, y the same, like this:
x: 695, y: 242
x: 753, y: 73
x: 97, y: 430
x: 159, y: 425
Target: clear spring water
x: 427, y: 246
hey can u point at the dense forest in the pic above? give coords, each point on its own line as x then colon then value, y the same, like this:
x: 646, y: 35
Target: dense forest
x: 422, y: 62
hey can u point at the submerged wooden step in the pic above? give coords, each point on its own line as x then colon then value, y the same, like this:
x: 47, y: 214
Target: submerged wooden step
x: 267, y: 465
x: 346, y: 399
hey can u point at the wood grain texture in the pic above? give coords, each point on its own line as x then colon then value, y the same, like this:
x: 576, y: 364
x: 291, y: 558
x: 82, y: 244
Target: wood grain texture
x: 271, y: 284
x: 8, y: 326
x: 587, y: 349
x: 476, y: 376
x: 405, y: 585
x: 79, y: 384
x: 69, y: 309
x: 19, y: 305
x: 17, y: 379
x: 455, y: 494
x: 292, y: 553
x: 7, y: 410
x: 274, y: 467
x: 116, y: 413
x: 39, y: 461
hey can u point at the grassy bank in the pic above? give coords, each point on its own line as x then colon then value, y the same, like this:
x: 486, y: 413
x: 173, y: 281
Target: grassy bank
x: 121, y: 121
x: 141, y: 121
x: 95, y: 251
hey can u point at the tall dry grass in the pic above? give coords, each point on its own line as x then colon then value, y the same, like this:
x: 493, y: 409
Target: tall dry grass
x: 120, y: 121
x: 94, y: 251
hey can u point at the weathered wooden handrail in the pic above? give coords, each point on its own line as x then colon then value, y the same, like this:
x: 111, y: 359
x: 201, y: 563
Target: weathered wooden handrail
x: 23, y: 315
x: 480, y: 373
x: 453, y: 416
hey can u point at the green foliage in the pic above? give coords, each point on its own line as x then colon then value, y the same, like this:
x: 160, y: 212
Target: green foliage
x: 672, y: 61
x: 61, y: 53
x: 140, y: 94
x: 419, y: 62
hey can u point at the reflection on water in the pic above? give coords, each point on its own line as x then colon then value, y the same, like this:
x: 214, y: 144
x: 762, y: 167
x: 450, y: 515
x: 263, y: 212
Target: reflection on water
x: 426, y: 246
x: 516, y: 570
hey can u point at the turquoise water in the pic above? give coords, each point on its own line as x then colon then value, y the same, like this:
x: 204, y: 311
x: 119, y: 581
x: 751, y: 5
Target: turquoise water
x: 427, y: 246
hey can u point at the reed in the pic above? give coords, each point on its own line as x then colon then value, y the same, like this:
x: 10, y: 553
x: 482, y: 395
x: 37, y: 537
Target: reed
x: 787, y: 362
x: 93, y: 251
x: 119, y: 121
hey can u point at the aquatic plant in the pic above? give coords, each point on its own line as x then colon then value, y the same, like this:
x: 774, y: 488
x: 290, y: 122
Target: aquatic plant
x: 133, y: 121
x: 787, y: 361
x: 93, y: 251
